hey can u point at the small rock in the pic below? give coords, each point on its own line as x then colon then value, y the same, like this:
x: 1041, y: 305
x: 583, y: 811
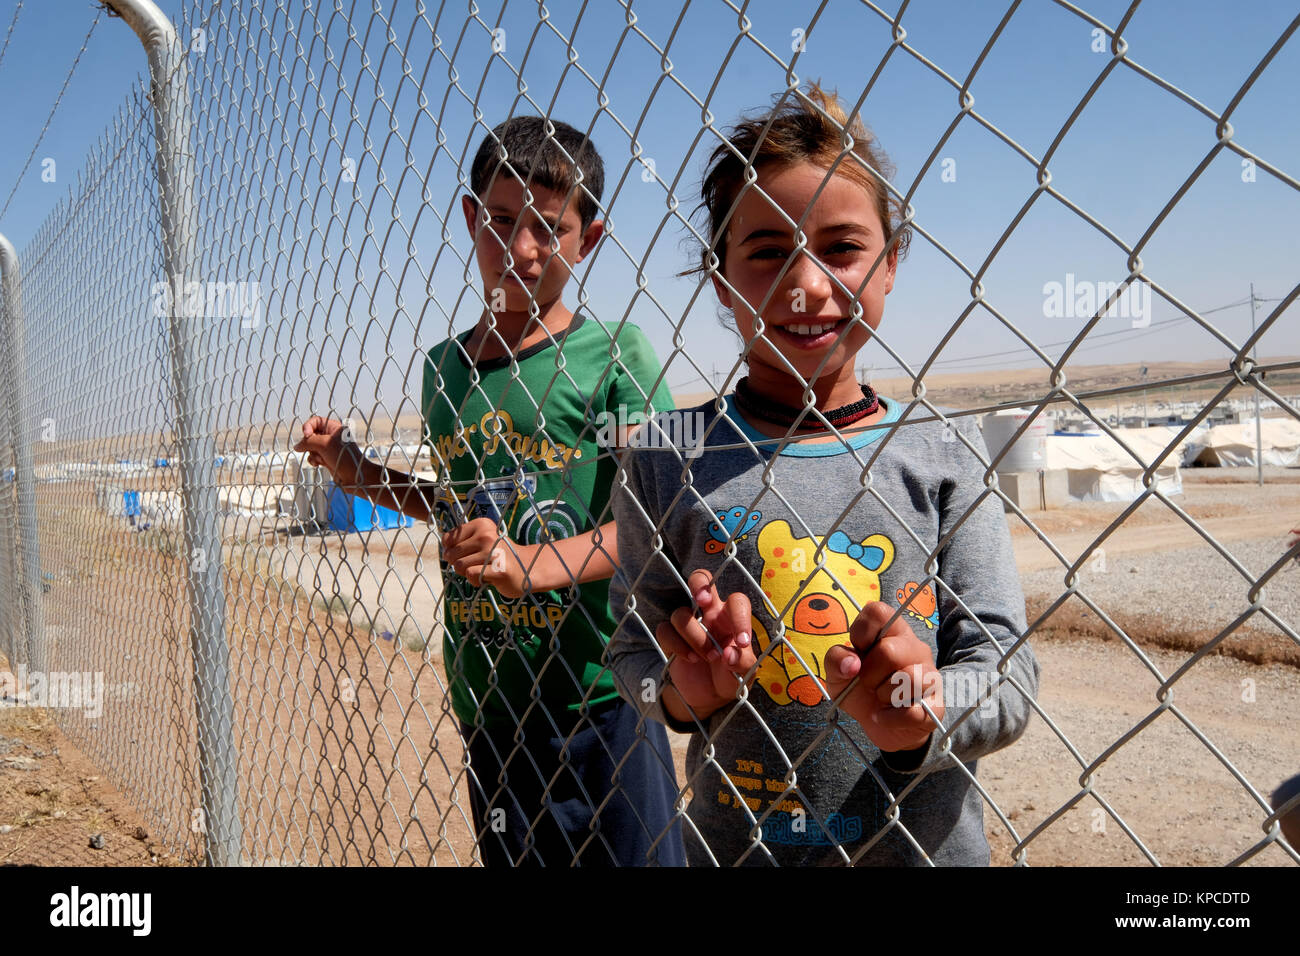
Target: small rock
x: 97, y: 841
x: 59, y: 814
x: 141, y: 833
x: 5, y: 828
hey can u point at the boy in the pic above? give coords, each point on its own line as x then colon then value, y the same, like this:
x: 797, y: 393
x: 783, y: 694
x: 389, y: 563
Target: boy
x: 511, y: 411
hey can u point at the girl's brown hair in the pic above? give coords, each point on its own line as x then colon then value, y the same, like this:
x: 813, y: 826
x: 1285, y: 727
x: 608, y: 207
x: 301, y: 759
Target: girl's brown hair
x: 805, y: 127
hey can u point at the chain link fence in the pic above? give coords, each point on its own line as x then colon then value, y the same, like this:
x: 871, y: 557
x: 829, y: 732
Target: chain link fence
x: 273, y: 229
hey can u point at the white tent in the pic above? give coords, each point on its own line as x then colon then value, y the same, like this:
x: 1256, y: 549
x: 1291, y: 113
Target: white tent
x: 1099, y: 468
x: 1234, y: 445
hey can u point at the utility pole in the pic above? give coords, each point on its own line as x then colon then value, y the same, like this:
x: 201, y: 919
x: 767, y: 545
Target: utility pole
x: 1259, y: 439
x: 1146, y: 422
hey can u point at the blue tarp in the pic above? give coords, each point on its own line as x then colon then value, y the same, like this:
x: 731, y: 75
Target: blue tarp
x: 130, y: 503
x: 354, y: 513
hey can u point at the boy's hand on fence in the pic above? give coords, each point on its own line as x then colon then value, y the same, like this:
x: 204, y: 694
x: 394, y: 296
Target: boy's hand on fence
x: 324, y: 440
x: 478, y: 552
x: 895, y: 670
x: 709, y: 652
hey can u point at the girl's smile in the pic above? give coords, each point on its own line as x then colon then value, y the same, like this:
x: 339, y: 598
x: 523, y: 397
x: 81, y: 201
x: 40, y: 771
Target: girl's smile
x: 808, y: 335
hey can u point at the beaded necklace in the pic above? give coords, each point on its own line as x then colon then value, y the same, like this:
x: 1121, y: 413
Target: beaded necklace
x: 778, y: 414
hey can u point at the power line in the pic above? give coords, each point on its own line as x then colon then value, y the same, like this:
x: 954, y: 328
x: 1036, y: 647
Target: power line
x: 9, y: 36
x: 1091, y: 339
x: 1090, y: 342
x: 53, y: 109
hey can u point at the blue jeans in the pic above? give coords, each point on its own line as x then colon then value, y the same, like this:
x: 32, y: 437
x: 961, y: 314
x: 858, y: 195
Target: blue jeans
x: 553, y: 801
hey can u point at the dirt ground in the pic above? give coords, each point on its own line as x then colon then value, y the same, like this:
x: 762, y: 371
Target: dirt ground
x: 1164, y: 784
x: 58, y: 809
x: 356, y: 760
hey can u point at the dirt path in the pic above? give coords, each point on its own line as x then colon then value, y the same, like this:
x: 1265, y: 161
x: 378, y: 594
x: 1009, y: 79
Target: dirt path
x: 1228, y: 511
x: 1176, y: 796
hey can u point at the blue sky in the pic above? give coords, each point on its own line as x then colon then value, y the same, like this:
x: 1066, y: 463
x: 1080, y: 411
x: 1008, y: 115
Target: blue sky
x: 1122, y: 161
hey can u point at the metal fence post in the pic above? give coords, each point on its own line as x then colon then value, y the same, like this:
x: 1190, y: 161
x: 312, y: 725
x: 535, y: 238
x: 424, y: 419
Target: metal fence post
x: 11, y: 616
x: 218, y: 763
x: 25, y: 546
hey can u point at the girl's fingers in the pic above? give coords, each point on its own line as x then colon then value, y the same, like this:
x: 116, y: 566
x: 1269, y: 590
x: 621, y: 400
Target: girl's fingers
x: 728, y: 621
x: 683, y: 635
x: 739, y: 658
x: 702, y: 589
x: 842, y: 665
x: 905, y: 685
x: 720, y: 619
x: 903, y: 723
x: 870, y: 625
x: 735, y: 616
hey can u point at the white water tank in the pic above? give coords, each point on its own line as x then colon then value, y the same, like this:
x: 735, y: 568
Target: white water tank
x: 1029, y: 453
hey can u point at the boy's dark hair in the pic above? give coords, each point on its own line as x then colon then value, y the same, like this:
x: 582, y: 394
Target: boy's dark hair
x: 557, y: 160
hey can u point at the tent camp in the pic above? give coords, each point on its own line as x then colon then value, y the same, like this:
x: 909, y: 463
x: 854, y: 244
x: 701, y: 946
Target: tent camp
x: 1229, y: 446
x: 1099, y: 469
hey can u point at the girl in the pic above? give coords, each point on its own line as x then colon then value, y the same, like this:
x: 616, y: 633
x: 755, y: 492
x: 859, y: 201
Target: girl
x: 822, y: 593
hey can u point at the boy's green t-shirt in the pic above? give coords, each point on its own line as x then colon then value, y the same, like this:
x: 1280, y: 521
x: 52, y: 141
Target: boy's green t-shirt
x: 533, y: 446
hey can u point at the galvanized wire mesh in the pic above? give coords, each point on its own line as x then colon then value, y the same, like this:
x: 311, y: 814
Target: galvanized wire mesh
x: 328, y: 148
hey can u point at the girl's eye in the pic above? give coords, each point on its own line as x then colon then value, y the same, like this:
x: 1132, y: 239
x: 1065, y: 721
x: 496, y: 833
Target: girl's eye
x: 769, y: 252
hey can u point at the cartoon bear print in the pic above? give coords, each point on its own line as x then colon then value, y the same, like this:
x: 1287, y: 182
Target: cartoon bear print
x: 812, y: 603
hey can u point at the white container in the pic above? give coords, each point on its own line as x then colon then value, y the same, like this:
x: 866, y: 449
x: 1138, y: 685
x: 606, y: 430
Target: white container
x: 1029, y: 453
